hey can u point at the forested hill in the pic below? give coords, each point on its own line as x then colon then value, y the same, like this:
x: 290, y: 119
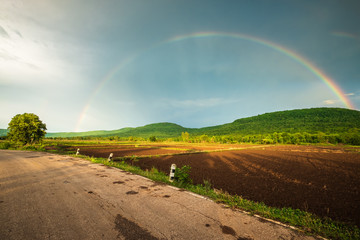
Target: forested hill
x: 326, y: 120
x: 314, y: 120
x: 160, y: 130
x: 88, y: 134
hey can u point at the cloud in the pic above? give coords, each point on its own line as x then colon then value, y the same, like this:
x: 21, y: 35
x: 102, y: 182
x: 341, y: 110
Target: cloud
x: 18, y: 33
x: 8, y: 57
x: 350, y: 94
x: 3, y: 33
x: 200, y: 103
x: 34, y: 52
x: 329, y: 102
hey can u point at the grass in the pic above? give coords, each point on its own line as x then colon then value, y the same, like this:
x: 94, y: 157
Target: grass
x: 308, y: 222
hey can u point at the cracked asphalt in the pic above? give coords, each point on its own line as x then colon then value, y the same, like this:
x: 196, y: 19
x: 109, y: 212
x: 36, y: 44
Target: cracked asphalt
x: 47, y: 196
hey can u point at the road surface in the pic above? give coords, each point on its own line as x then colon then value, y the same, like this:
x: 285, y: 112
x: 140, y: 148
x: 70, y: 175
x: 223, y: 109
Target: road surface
x: 47, y: 196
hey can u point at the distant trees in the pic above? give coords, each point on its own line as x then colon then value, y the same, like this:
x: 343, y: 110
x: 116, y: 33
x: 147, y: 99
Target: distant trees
x: 185, y: 136
x: 26, y: 128
x: 352, y: 137
x: 204, y: 138
x: 152, y: 139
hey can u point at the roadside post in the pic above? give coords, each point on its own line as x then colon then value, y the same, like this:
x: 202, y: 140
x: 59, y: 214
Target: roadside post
x: 78, y: 151
x: 172, y: 172
x: 110, y: 157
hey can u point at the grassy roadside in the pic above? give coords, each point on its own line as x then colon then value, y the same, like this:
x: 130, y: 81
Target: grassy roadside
x: 309, y: 223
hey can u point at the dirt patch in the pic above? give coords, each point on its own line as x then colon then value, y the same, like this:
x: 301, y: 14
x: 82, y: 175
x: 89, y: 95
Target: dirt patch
x: 154, y: 149
x: 203, y: 146
x: 308, y: 178
x: 320, y: 179
x: 122, y: 152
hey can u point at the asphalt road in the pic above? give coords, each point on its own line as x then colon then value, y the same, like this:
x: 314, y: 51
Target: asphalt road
x: 47, y: 196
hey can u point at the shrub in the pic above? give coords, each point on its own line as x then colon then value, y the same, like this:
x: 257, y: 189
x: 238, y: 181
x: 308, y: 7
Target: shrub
x: 182, y: 175
x: 29, y: 147
x: 152, y: 139
x: 5, y: 145
x: 267, y: 141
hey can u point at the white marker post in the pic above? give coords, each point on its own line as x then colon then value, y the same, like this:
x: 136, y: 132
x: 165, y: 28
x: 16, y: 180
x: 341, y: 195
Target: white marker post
x: 172, y: 172
x: 78, y: 151
x: 110, y: 157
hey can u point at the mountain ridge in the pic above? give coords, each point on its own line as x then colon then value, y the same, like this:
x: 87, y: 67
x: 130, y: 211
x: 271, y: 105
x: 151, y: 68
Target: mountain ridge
x: 311, y: 120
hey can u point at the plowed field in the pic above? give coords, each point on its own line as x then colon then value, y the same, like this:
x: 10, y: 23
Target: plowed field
x: 123, y: 151
x: 321, y: 180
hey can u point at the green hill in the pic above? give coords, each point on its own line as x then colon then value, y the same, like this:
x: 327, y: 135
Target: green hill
x: 88, y: 134
x: 327, y: 120
x: 314, y: 120
x: 160, y: 130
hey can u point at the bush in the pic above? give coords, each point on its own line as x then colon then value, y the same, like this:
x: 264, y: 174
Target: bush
x: 152, y: 139
x: 5, y: 145
x: 29, y: 147
x: 267, y: 141
x: 182, y: 175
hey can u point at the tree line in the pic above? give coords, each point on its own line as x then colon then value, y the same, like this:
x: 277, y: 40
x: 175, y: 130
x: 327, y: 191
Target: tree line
x: 352, y: 137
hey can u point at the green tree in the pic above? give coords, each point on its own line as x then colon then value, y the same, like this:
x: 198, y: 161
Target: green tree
x: 152, y: 139
x: 321, y: 137
x: 204, y: 138
x: 26, y: 128
x: 185, y: 136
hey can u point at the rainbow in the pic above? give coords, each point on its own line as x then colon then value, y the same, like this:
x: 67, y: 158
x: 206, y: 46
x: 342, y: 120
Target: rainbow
x: 100, y: 85
x: 346, y: 35
x: 330, y: 83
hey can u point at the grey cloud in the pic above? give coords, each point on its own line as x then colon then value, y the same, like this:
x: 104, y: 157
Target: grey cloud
x: 3, y: 33
x: 6, y: 56
x: 18, y: 33
x: 9, y: 57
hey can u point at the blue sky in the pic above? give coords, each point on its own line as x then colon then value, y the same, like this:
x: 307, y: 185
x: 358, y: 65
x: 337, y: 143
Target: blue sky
x: 104, y: 65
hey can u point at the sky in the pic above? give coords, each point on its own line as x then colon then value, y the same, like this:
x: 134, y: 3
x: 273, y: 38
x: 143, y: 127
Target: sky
x: 83, y: 65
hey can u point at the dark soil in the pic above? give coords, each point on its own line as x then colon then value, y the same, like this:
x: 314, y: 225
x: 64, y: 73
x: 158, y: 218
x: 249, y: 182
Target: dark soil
x: 320, y: 180
x: 324, y: 183
x: 128, y: 151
